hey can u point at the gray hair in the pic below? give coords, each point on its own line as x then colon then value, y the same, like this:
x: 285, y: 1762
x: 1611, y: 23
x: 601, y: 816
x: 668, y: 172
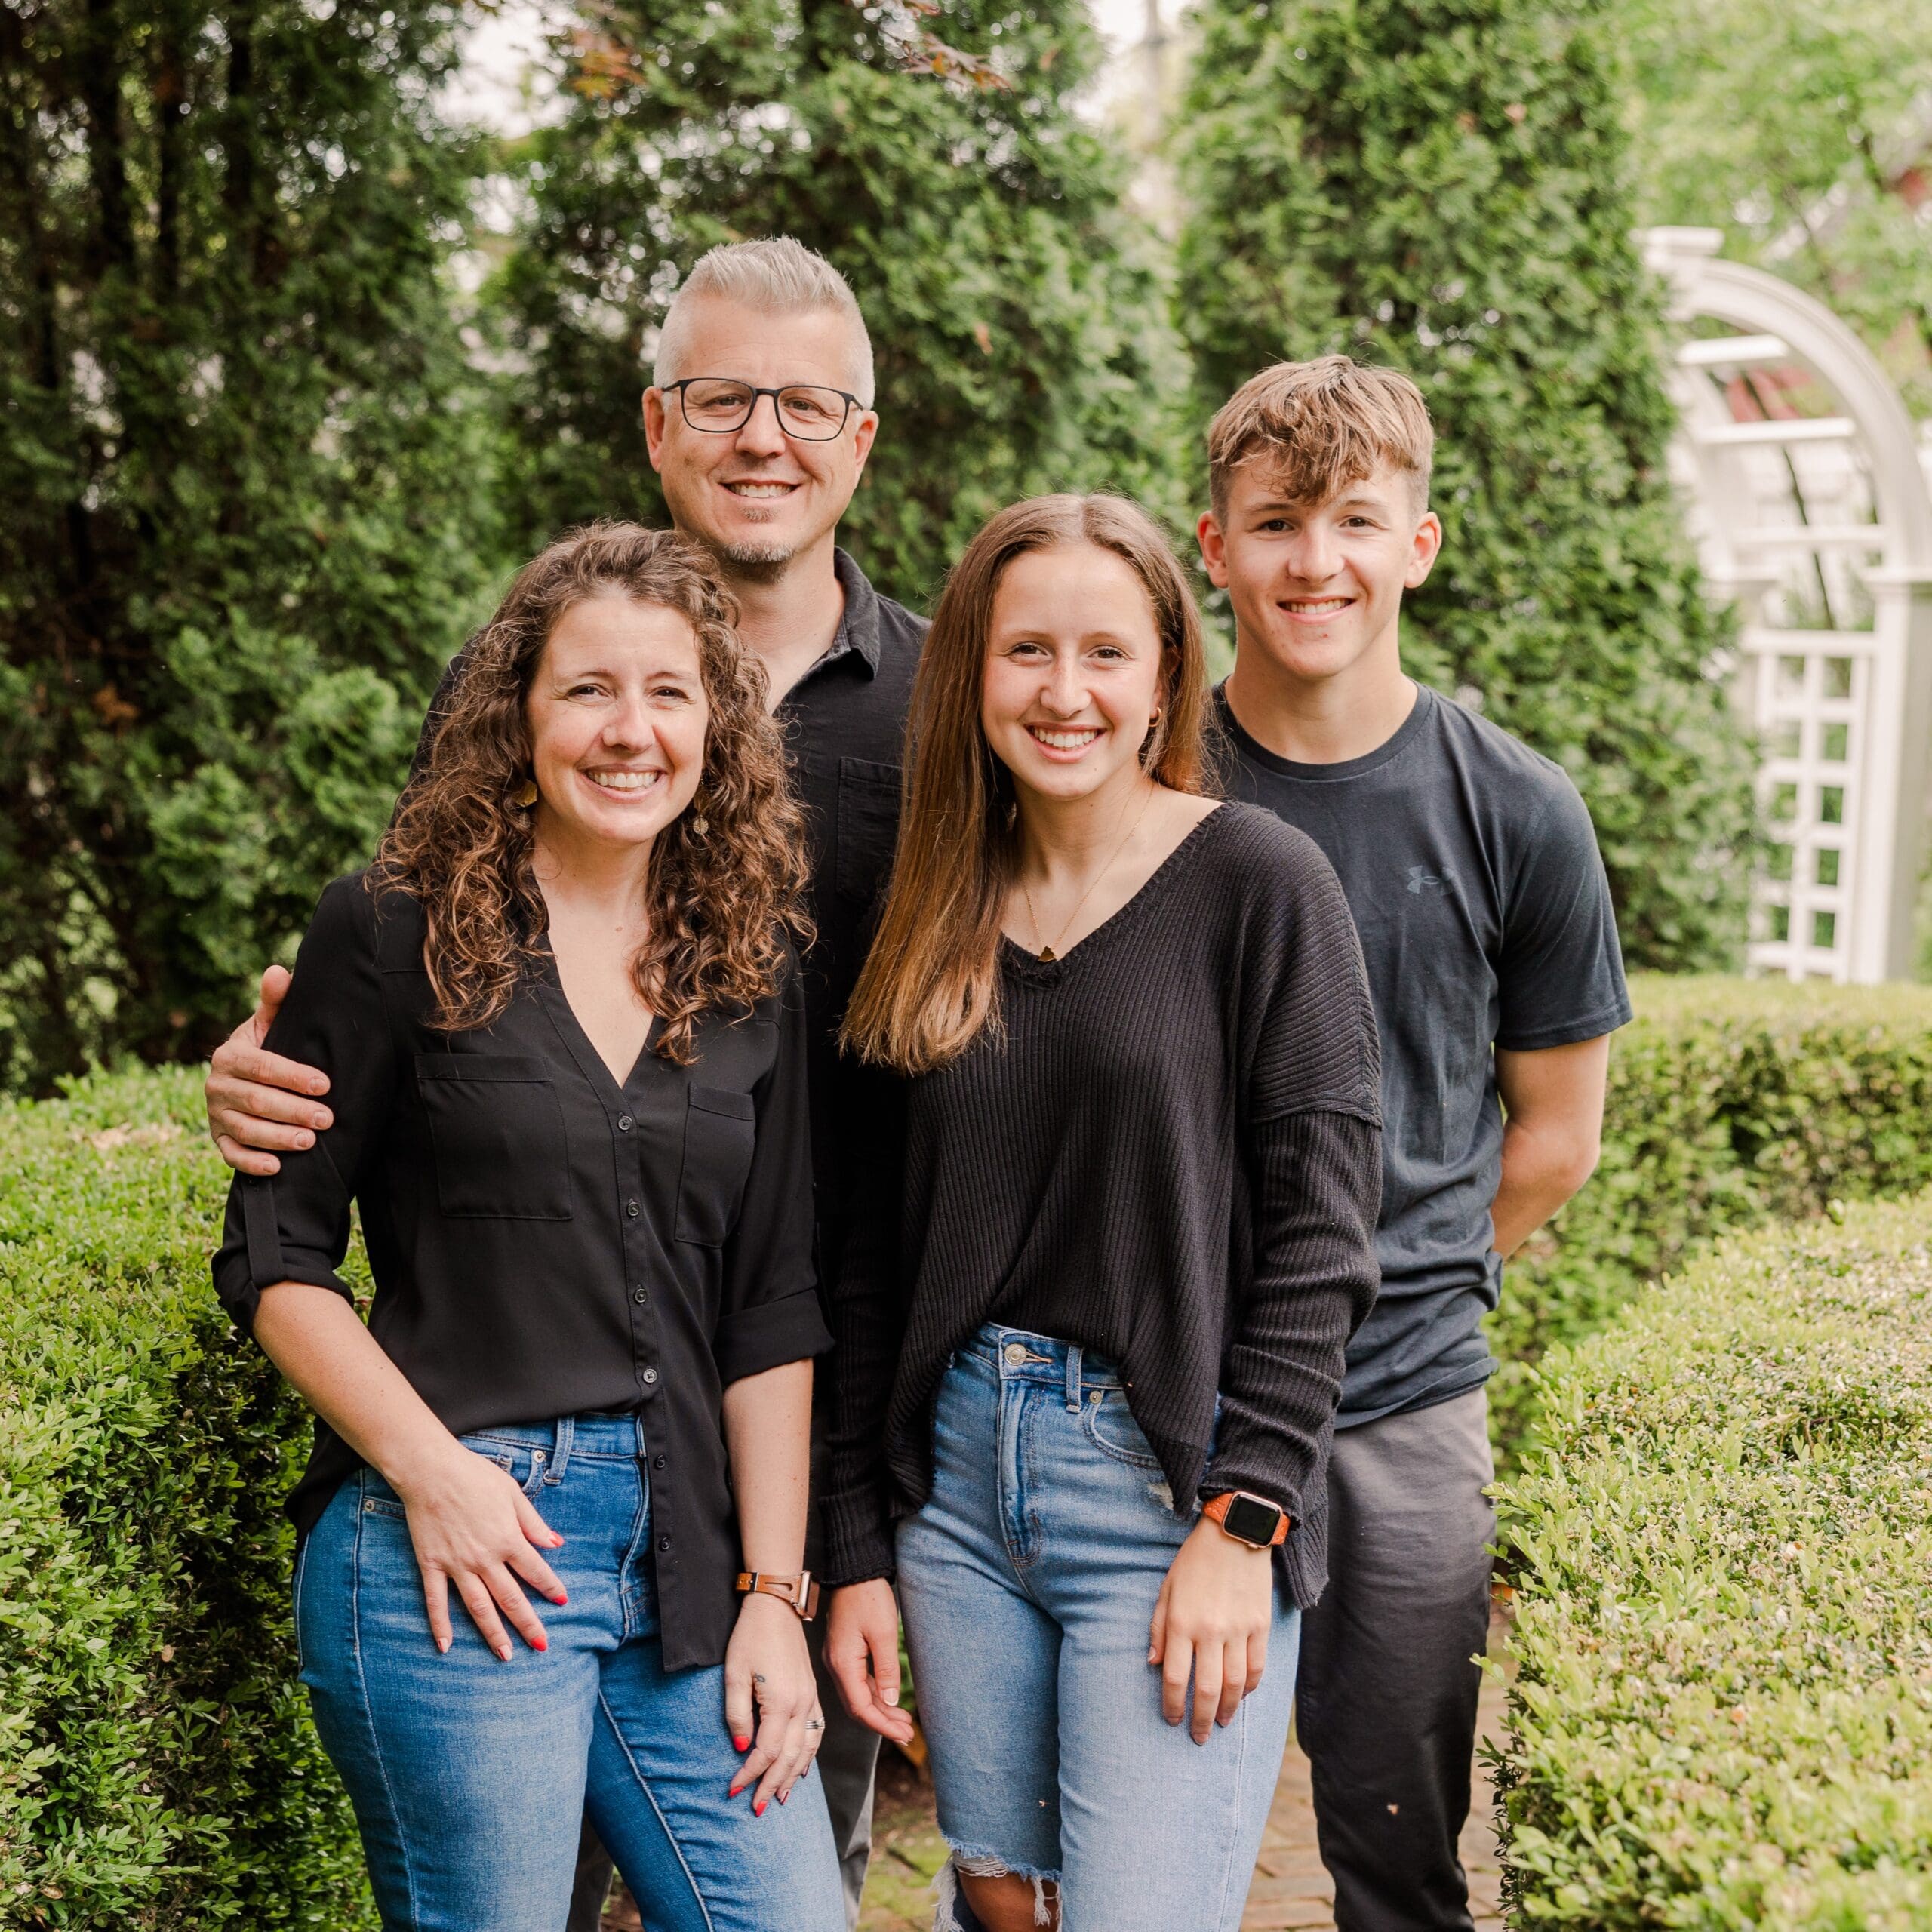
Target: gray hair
x: 780, y: 277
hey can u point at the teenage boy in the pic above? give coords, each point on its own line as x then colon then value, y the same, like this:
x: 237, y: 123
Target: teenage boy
x: 1472, y: 871
x: 759, y: 422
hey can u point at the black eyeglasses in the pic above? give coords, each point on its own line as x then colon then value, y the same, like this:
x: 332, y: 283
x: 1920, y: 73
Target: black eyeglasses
x: 718, y: 405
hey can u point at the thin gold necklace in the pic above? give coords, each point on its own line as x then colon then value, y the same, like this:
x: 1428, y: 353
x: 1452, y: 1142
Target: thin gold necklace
x: 1047, y: 954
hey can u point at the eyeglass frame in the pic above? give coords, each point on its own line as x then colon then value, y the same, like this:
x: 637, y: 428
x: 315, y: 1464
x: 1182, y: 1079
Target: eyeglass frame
x: 683, y: 383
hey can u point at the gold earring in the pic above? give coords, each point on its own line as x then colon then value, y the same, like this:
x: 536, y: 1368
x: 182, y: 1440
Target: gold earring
x: 525, y: 794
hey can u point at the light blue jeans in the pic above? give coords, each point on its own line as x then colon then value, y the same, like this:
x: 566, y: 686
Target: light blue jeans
x: 471, y: 1777
x: 1027, y: 1583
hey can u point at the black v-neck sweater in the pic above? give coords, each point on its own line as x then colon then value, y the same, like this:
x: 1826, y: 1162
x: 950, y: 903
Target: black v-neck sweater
x: 1169, y: 1152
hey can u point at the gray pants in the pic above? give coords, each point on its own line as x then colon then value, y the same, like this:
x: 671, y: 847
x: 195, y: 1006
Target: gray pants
x: 1385, y: 1701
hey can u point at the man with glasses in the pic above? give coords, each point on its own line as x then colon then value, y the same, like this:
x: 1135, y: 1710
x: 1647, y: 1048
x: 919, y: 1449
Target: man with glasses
x: 759, y: 422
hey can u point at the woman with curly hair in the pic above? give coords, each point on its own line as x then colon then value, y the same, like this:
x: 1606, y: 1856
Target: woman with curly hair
x: 561, y: 1019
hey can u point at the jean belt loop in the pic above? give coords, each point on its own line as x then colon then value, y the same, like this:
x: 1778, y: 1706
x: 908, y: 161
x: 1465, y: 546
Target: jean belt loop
x: 560, y: 1453
x: 1073, y: 1354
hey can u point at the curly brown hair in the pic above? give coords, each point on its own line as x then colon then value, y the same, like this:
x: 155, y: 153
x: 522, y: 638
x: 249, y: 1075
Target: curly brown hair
x: 720, y: 905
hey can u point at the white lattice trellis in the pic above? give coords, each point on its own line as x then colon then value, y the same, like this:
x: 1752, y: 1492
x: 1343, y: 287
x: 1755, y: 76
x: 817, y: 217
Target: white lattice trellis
x: 1814, y: 514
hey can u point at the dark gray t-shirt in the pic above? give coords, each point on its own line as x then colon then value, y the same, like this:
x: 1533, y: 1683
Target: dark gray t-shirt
x: 1472, y: 869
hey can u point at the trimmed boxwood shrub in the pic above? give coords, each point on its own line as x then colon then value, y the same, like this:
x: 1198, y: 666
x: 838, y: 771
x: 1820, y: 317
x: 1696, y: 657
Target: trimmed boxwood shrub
x: 1723, y: 1713
x: 1731, y: 1103
x: 157, y: 1767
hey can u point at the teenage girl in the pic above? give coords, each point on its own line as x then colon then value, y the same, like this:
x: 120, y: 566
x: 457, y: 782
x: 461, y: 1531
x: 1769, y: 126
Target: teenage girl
x: 1118, y: 1231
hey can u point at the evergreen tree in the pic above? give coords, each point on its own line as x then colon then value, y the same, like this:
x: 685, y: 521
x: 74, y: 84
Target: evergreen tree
x: 1440, y: 185
x: 246, y: 512
x: 1019, y: 335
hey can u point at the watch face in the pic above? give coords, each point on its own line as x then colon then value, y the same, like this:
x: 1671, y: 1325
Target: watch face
x: 1252, y: 1521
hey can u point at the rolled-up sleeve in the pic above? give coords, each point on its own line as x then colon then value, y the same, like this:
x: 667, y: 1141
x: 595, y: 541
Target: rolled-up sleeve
x: 295, y: 1225
x: 771, y: 1314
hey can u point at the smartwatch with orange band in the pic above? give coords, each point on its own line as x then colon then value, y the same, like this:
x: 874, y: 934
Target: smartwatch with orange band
x: 1252, y: 1520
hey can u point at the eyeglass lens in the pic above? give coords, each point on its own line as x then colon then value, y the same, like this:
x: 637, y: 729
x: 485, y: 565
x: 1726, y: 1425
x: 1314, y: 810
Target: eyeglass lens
x: 719, y: 405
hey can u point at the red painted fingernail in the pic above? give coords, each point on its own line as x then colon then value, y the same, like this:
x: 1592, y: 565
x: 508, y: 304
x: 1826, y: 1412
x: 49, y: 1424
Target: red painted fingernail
x: 741, y: 1743
x: 542, y: 1644
x: 560, y: 1599
x: 758, y: 1810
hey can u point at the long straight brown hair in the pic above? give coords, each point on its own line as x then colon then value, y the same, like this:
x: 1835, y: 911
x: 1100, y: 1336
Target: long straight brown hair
x: 932, y: 981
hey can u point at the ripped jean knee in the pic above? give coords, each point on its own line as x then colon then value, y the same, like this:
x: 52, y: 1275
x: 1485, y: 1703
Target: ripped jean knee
x: 953, y: 1912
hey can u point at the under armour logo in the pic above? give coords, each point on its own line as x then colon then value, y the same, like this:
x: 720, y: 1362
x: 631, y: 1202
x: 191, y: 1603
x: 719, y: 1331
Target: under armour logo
x: 1422, y: 879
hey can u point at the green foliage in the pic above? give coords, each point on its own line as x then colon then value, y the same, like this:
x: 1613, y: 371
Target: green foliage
x: 248, y: 516
x: 1016, y: 327
x: 1439, y: 185
x: 1723, y: 1716
x: 1803, y: 128
x: 157, y: 1766
x: 1731, y: 1103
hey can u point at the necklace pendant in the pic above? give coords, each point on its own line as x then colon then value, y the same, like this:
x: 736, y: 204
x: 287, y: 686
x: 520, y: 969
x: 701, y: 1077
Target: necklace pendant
x: 1048, y: 956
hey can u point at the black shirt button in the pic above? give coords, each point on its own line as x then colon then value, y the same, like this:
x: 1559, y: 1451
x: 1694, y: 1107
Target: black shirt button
x: 650, y: 1376
x: 631, y: 1208
x: 658, y: 1461
x: 640, y: 1296
x: 663, y: 1543
x: 624, y: 1123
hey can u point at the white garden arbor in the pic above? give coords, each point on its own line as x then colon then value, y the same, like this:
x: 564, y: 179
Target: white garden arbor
x: 1814, y: 516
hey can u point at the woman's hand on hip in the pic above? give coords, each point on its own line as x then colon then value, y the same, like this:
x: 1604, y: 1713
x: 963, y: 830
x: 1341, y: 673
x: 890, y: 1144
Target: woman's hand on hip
x: 473, y: 1526
x: 1212, y: 1619
x: 771, y: 1700
x: 861, y: 1652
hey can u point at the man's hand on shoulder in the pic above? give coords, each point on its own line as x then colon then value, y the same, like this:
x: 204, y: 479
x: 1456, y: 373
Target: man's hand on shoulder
x: 258, y: 1101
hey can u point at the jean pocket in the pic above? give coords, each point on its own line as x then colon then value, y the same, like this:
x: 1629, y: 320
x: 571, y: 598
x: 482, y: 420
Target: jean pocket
x: 1112, y: 1429
x: 526, y: 1464
x: 379, y: 1499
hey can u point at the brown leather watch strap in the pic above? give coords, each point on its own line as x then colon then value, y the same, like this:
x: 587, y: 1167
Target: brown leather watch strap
x: 800, y: 1589
x: 1216, y: 1510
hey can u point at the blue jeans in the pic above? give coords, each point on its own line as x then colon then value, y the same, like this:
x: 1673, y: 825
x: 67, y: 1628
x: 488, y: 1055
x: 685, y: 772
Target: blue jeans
x: 471, y: 1777
x: 1027, y: 1582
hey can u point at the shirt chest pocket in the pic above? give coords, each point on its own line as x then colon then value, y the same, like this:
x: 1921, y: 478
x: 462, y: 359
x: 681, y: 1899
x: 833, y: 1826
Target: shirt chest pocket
x: 868, y: 825
x: 720, y: 1129
x: 497, y: 1128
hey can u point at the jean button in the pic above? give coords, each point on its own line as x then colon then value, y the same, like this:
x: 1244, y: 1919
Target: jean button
x: 1015, y: 1354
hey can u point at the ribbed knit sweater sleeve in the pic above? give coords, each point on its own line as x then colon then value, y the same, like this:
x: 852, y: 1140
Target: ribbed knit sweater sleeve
x: 868, y: 1323
x: 1308, y: 1105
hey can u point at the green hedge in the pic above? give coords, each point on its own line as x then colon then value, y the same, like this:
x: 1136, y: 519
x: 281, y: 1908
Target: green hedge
x: 1732, y: 1103
x: 1723, y: 1716
x: 157, y: 1767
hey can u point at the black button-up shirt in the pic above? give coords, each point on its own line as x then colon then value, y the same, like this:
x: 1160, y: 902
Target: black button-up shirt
x: 844, y: 723
x: 545, y: 1240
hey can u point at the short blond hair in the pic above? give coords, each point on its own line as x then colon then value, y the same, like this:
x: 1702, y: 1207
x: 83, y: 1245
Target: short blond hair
x: 1318, y: 426
x: 778, y: 276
